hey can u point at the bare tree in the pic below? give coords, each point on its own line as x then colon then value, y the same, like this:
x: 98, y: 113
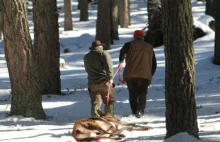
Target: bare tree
x: 210, y: 8
x: 84, y: 15
x: 124, y: 18
x: 181, y: 113
x: 217, y: 34
x: 78, y: 6
x: 46, y: 42
x: 21, y: 61
x: 103, y: 24
x: 129, y: 12
x: 154, y: 34
x: 115, y: 19
x: 1, y: 25
x: 68, y: 22
x: 152, y: 6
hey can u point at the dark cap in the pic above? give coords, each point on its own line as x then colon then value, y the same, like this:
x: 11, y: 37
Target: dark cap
x: 97, y: 43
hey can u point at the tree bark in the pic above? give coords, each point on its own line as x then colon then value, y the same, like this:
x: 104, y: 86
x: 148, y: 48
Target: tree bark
x: 78, y: 6
x: 84, y: 15
x: 1, y: 25
x: 68, y: 22
x: 115, y: 20
x: 154, y: 34
x: 152, y: 6
x: 103, y: 24
x: 181, y: 113
x: 129, y: 12
x: 124, y: 13
x: 46, y: 42
x: 210, y: 8
x: 20, y: 57
x: 217, y: 34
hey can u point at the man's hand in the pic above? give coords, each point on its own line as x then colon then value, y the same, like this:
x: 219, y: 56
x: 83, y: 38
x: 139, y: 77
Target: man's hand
x: 120, y: 65
x: 111, y: 81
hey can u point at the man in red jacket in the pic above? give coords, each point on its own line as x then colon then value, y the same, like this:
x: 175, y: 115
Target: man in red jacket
x: 140, y: 67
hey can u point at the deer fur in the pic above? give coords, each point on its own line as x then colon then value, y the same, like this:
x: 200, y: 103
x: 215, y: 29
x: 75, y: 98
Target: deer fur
x: 104, y: 127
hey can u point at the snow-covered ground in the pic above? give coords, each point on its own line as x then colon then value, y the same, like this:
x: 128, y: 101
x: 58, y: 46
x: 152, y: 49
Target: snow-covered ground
x: 63, y: 111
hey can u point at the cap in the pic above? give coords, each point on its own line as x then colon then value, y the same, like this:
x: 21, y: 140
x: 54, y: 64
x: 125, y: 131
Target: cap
x: 138, y: 33
x: 97, y: 43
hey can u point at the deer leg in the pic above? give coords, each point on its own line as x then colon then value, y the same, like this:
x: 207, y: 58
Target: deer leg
x: 139, y: 128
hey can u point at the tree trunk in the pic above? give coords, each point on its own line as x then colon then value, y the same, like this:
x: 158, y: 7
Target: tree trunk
x: 154, y: 34
x: 115, y: 20
x: 181, y: 113
x: 1, y: 25
x: 210, y: 8
x: 68, y: 22
x: 78, y: 6
x: 129, y: 12
x: 152, y: 6
x: 162, y: 3
x: 46, y: 41
x: 20, y: 57
x: 217, y: 34
x: 84, y: 15
x: 103, y: 24
x: 123, y: 13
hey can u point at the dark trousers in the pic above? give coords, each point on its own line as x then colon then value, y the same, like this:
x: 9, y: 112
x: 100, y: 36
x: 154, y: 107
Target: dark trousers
x: 138, y: 88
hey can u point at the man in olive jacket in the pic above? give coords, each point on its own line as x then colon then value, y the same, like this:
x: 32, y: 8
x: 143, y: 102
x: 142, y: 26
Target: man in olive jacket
x: 99, y: 67
x: 140, y: 67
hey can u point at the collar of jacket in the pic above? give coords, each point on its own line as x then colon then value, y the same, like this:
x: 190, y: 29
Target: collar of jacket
x: 139, y: 38
x: 96, y: 48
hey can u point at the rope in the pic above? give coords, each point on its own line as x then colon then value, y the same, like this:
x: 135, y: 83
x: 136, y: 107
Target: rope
x: 107, y: 97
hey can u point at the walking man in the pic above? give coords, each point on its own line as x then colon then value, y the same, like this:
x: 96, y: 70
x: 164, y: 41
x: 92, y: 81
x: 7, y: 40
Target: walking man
x: 140, y: 67
x: 99, y: 67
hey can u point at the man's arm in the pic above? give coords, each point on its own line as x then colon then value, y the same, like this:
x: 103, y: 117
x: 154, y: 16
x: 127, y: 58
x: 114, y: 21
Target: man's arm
x: 123, y: 52
x: 154, y: 64
x: 108, y: 65
x: 85, y: 64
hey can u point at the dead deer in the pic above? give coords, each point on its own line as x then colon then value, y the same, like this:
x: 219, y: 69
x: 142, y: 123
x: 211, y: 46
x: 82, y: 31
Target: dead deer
x: 104, y: 127
x: 95, y: 129
x: 127, y: 126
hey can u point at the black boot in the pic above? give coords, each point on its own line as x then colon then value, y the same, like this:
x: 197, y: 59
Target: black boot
x: 139, y: 114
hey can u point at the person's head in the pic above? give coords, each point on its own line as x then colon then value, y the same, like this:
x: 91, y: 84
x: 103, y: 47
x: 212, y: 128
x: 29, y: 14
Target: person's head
x: 97, y: 43
x: 138, y: 34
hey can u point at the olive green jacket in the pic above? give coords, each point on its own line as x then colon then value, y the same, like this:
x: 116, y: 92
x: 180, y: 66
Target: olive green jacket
x: 98, y: 65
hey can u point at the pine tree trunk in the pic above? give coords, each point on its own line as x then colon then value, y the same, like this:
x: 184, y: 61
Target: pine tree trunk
x: 129, y: 12
x: 115, y: 20
x: 210, y: 7
x: 124, y: 13
x: 103, y: 24
x: 181, y: 113
x: 84, y: 15
x: 78, y: 6
x: 22, y: 67
x: 46, y: 41
x: 152, y: 5
x: 68, y: 22
x: 217, y: 34
x: 1, y: 25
